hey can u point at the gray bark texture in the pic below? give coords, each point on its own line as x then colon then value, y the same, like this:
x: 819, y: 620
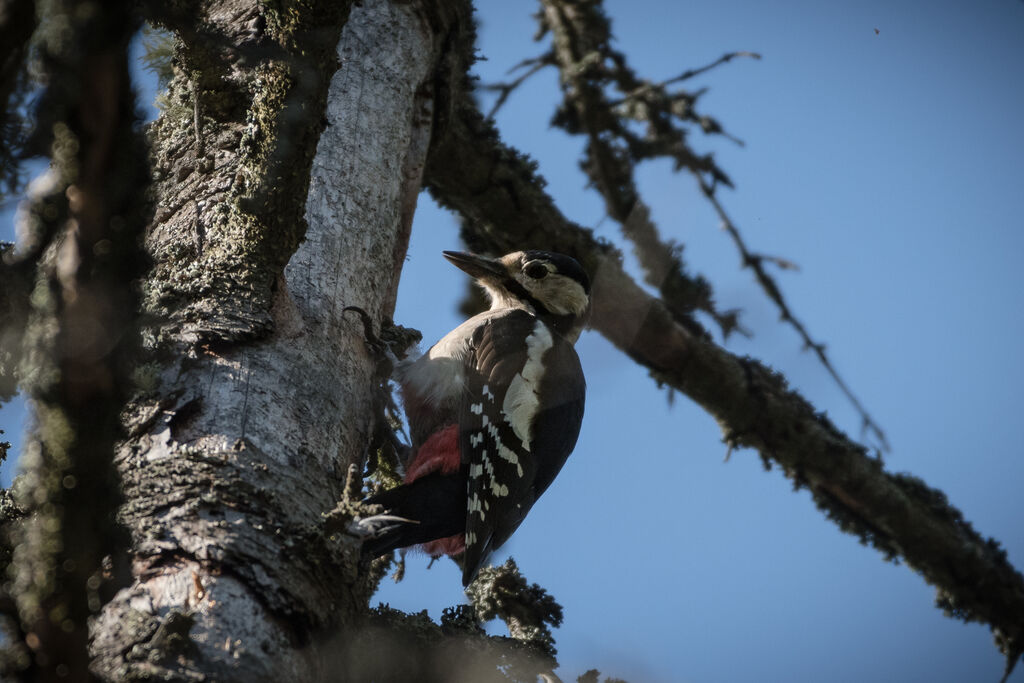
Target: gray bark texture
x: 260, y: 391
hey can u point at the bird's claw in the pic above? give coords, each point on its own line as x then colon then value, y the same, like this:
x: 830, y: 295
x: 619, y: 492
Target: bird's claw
x: 376, y: 526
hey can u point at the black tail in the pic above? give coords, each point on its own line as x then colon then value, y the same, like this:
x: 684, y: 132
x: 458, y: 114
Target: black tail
x: 436, y: 503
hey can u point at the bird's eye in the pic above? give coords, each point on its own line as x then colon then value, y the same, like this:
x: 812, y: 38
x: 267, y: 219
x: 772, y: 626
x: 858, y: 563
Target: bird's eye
x: 535, y: 269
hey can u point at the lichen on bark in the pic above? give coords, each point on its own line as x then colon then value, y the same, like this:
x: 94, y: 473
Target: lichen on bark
x: 279, y: 201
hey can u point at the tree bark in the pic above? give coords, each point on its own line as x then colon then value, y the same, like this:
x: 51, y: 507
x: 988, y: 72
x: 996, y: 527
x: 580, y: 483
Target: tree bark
x: 261, y: 388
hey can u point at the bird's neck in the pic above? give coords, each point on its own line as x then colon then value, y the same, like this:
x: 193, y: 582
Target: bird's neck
x: 568, y: 326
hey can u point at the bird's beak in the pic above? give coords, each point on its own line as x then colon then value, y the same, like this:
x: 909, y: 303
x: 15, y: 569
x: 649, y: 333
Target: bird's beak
x: 477, y: 266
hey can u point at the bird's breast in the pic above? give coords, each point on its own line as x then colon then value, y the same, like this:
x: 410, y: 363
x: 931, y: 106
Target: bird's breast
x: 437, y: 379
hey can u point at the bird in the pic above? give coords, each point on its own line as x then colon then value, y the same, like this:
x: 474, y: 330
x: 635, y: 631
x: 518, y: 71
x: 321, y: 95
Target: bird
x: 494, y: 410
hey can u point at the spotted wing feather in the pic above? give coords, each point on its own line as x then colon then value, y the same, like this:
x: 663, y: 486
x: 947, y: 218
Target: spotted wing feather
x: 511, y: 460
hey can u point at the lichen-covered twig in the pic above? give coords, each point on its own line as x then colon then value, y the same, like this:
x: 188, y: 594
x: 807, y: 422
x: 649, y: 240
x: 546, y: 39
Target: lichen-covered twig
x: 529, y: 611
x: 590, y: 68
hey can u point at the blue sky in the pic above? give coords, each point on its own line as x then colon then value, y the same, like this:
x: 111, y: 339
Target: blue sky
x: 888, y: 166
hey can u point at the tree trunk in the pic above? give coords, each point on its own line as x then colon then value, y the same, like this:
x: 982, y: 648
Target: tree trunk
x: 261, y: 388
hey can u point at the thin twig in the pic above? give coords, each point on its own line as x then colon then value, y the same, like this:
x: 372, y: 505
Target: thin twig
x: 689, y: 73
x: 506, y: 89
x: 771, y: 289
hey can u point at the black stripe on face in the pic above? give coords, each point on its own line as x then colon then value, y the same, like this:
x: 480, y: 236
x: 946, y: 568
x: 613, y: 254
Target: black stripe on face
x: 562, y: 324
x: 520, y: 292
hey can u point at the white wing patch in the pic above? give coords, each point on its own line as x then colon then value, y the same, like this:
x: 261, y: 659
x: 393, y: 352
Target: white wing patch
x: 476, y: 506
x: 504, y: 451
x: 510, y: 455
x: 522, y: 398
x: 497, y: 488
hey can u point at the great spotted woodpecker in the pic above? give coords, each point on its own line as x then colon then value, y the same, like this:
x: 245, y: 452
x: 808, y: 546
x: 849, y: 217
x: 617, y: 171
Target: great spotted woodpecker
x: 494, y: 410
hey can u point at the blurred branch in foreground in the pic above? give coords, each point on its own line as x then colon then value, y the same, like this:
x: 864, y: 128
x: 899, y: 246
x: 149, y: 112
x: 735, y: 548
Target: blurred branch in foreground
x: 86, y: 216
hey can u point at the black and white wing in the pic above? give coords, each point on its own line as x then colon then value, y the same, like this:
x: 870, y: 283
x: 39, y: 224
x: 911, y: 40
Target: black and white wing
x: 519, y: 420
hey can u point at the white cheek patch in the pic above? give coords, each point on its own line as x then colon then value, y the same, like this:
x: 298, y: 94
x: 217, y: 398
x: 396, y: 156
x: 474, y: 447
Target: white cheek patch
x: 559, y: 294
x: 523, y: 396
x: 566, y: 296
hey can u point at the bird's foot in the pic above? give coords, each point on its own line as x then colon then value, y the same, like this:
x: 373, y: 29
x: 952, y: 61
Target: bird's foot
x: 376, y: 526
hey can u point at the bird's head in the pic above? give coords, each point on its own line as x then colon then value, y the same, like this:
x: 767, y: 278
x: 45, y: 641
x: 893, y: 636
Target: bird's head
x: 554, y: 287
